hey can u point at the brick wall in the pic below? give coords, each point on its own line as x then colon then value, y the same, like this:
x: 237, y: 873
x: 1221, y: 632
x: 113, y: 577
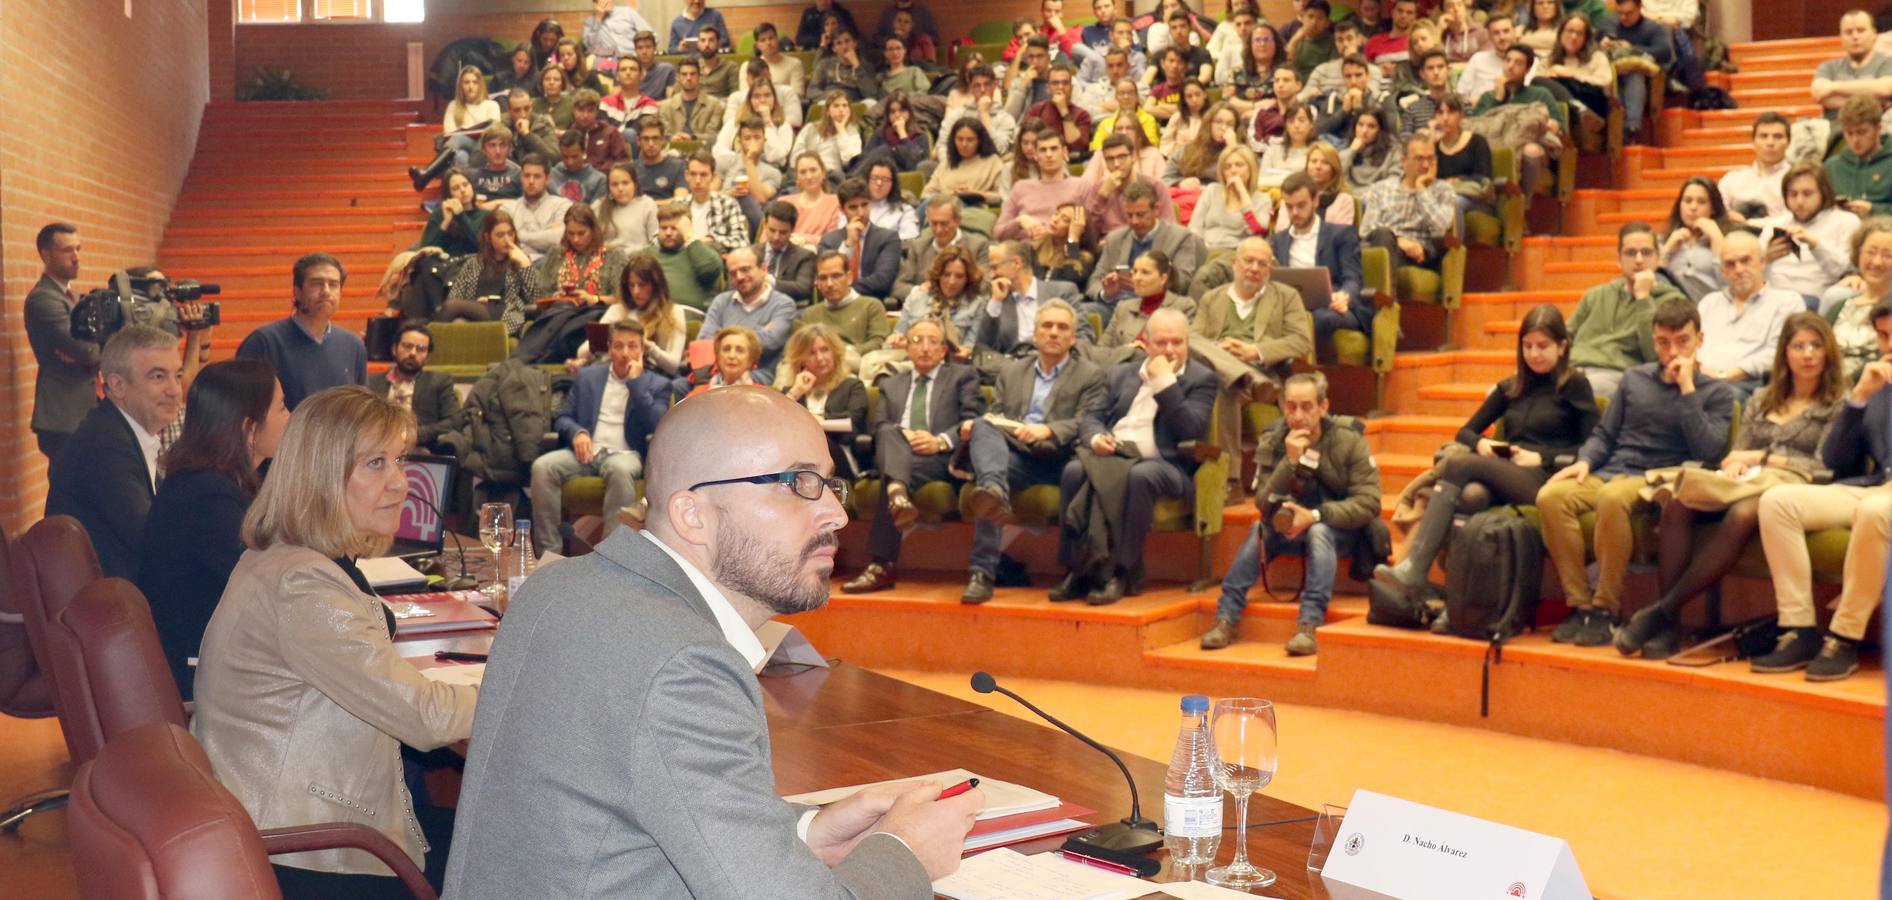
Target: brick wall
x: 105, y: 147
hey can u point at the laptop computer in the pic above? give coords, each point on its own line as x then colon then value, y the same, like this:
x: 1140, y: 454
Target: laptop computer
x: 1315, y: 283
x: 429, y: 490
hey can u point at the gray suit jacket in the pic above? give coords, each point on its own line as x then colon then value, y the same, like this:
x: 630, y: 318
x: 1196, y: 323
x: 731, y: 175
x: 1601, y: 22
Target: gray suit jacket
x: 620, y: 750
x: 1001, y: 332
x: 1183, y: 247
x: 62, y: 394
x: 1077, y: 392
x: 917, y: 255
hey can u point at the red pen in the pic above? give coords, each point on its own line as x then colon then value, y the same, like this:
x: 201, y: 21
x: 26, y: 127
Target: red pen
x: 1104, y: 864
x: 959, y: 788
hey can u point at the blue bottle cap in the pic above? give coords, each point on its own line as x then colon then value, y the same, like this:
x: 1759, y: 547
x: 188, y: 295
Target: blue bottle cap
x: 1195, y: 703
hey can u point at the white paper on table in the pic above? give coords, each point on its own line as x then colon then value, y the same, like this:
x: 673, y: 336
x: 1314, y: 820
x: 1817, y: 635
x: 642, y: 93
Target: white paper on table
x: 1002, y: 798
x: 469, y: 674
x: 1202, y: 890
x: 1006, y: 874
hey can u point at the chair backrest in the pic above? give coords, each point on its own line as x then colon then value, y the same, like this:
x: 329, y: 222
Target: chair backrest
x: 110, y: 666
x: 24, y: 693
x: 467, y: 343
x: 50, y: 563
x: 148, y: 819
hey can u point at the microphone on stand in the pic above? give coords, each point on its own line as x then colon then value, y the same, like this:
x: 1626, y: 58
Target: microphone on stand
x: 463, y: 581
x: 1134, y: 834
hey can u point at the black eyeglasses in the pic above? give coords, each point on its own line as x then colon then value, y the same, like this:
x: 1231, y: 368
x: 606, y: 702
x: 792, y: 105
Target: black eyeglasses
x: 806, y: 483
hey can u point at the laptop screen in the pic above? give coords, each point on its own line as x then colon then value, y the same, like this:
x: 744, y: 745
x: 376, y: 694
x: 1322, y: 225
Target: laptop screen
x: 429, y: 490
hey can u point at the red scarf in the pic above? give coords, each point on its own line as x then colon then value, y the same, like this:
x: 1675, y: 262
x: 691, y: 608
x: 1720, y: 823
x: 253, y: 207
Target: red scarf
x: 1151, y: 304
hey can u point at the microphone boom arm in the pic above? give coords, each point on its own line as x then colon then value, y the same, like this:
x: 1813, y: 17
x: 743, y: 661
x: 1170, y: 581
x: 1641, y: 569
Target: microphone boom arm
x: 1136, y: 817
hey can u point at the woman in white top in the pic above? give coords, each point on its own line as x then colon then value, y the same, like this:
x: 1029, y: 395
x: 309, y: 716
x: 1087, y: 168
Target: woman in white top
x: 1290, y: 152
x: 644, y: 294
x: 1234, y: 206
x: 760, y: 103
x: 471, y: 109
x: 1579, y: 65
x: 1538, y: 30
x: 832, y: 136
x: 629, y: 218
x: 1187, y: 122
x: 889, y: 210
x: 1807, y: 245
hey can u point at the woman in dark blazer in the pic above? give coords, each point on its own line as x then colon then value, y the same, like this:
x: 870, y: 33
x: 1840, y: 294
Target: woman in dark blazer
x: 814, y: 374
x: 192, y: 536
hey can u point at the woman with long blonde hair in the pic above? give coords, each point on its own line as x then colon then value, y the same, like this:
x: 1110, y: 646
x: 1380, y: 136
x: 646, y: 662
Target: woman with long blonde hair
x: 814, y: 375
x: 1233, y: 207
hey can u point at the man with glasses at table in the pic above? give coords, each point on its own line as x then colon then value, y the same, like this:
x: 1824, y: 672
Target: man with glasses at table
x: 621, y: 748
x: 1610, y: 331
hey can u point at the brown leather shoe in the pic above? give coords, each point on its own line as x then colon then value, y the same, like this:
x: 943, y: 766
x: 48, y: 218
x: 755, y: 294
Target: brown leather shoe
x: 1223, y: 634
x: 901, y: 507
x: 876, y: 577
x: 990, y: 503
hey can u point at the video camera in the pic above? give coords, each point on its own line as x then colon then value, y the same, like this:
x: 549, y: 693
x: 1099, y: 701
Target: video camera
x: 144, y: 300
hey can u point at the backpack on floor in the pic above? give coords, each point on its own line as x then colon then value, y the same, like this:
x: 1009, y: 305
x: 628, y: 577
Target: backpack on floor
x: 1493, y: 576
x: 1399, y: 607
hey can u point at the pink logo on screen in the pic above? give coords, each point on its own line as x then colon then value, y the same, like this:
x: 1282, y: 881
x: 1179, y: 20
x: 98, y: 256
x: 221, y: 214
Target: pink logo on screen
x: 1516, y: 890
x: 419, y: 517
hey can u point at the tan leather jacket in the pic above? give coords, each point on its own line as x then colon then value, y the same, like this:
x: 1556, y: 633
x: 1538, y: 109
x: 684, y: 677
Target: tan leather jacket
x: 303, y: 703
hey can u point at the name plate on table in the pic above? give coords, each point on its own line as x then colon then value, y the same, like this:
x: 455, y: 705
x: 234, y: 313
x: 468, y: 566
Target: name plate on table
x: 1392, y: 848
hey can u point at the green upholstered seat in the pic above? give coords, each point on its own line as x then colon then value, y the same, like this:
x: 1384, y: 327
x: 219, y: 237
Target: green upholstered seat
x: 464, y: 349
x: 1417, y: 284
x: 997, y: 32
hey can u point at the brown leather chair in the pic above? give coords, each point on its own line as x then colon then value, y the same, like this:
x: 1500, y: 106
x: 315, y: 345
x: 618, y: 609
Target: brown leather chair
x: 24, y: 693
x: 149, y: 820
x: 110, y: 666
x: 46, y: 567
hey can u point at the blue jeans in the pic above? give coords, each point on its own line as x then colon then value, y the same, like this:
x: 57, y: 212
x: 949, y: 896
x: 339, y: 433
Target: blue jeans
x: 1634, y: 90
x: 996, y: 464
x: 465, y: 148
x: 1321, y: 545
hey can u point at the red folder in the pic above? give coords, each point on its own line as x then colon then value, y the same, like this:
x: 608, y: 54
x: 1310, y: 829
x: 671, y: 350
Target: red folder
x: 452, y: 611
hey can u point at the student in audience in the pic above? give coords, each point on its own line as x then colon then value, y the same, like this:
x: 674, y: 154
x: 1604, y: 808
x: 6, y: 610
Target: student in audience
x: 1017, y: 294
x: 429, y: 395
x: 1251, y: 330
x: 1415, y: 109
x: 688, y: 27
x: 750, y: 180
x: 1326, y: 174
x: 1852, y: 301
x: 1374, y: 154
x: 1296, y: 146
x: 532, y: 132
x: 981, y: 103
x: 813, y: 31
x: 1250, y: 78
x: 1460, y: 36
x: 1098, y: 79
x: 544, y: 43
x: 1330, y: 76
x: 611, y: 30
x: 1546, y: 411
x: 659, y: 173
x: 719, y: 76
x: 1753, y: 191
x: 784, y: 71
x: 1860, y: 72
x: 1514, y: 87
x: 498, y: 180
x: 629, y: 218
x: 1096, y: 37
x: 604, y: 141
x: 753, y: 303
x: 1412, y: 216
x: 1858, y: 451
x: 760, y: 103
x: 1303, y: 239
x: 537, y: 214
x: 629, y: 103
x: 790, y: 266
x: 1163, y: 93
x: 1312, y: 42
x: 818, y: 209
x: 1741, y: 323
x: 1578, y: 65
x: 306, y: 350
x: 192, y: 535
x: 1067, y: 251
x: 1191, y: 114
x: 833, y: 135
x: 1129, y: 106
x: 468, y: 114
x: 1464, y: 157
x: 454, y: 226
x: 1110, y: 180
x: 298, y: 679
x: 1610, y: 330
x: 1031, y: 202
x: 717, y: 217
x: 1055, y: 32
x: 900, y: 141
x: 917, y: 255
x: 1806, y: 246
x: 973, y: 172
x: 1781, y: 430
x: 1141, y: 233
x: 574, y: 178
x: 658, y: 75
x: 887, y: 207
x: 813, y: 375
x: 1194, y: 165
x: 1861, y: 169
x: 693, y: 269
x: 581, y: 276
x: 1539, y: 28
x: 579, y: 75
x: 644, y: 297
x: 496, y: 283
x: 1320, y: 516
x: 106, y: 472
x: 1665, y: 413
x: 917, y: 430
x: 518, y: 75
x: 896, y: 74
x: 1484, y: 71
x: 872, y: 252
x: 1151, y: 406
x: 953, y: 292
x: 1692, y: 250
x: 842, y: 69
x: 1233, y: 207
x: 1061, y: 114
x: 555, y: 97
x: 1630, y: 29
x: 861, y: 322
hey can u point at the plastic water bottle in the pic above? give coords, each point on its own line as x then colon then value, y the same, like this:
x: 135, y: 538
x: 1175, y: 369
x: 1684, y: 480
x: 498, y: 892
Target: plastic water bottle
x: 521, y: 561
x: 1192, y: 803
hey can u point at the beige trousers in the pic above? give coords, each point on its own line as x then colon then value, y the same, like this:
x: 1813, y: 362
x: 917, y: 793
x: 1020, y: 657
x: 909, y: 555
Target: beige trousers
x: 1789, y: 512
x: 1562, y: 504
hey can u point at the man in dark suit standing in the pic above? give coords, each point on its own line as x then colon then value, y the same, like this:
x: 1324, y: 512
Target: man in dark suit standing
x: 921, y: 411
x: 63, y: 392
x: 1027, y: 433
x: 1016, y: 298
x: 107, y: 473
x: 429, y: 395
x: 604, y: 426
x: 943, y: 216
x: 1130, y: 453
x: 873, y: 252
x: 789, y: 264
x: 1308, y: 242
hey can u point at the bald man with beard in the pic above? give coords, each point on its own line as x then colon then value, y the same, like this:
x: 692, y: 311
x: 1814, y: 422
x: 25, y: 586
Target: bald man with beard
x: 620, y: 748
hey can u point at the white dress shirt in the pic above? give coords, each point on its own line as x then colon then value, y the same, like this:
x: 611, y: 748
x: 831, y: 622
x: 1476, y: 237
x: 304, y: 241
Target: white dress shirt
x: 148, y: 443
x: 1753, y: 184
x: 1138, y: 426
x: 735, y: 630
x: 609, y: 434
x: 1025, y: 307
x: 1304, y: 245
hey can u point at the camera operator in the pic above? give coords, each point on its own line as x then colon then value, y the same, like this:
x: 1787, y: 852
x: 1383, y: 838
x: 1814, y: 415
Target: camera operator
x: 1320, y: 490
x: 65, y: 391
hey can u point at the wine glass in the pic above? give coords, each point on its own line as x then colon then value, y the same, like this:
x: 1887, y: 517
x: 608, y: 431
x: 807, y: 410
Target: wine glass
x: 495, y: 534
x: 1243, y: 731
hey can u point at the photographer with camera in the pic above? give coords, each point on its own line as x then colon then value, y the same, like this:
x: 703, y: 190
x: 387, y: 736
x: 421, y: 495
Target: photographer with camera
x: 307, y: 351
x: 64, y: 392
x: 1320, y: 491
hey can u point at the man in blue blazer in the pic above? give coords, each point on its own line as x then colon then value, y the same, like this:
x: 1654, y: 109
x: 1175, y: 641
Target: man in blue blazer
x: 603, y: 428
x: 1153, y: 404
x: 876, y: 249
x: 1859, y: 452
x: 1309, y: 241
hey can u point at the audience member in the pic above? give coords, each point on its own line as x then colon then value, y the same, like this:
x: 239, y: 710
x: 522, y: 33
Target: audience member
x: 887, y: 207
x: 1415, y: 110
x: 952, y: 293
x: 762, y: 105
x: 1578, y: 65
x: 1860, y: 72
x: 658, y: 75
x: 544, y: 42
x: 833, y: 136
x: 1130, y: 452
x: 860, y: 322
x: 410, y: 385
x: 1861, y: 169
x: 659, y: 172
x: 1110, y: 184
x: 897, y: 75
x: 1096, y: 37
x: 629, y: 103
x: 899, y: 142
x: 921, y: 413
x: 790, y: 266
x: 973, y: 171
x: 814, y: 29
x: 579, y: 278
x: 1149, y: 285
x: 686, y: 30
x: 611, y: 30
x: 1056, y: 33
x: 872, y: 253
x: 495, y: 283
x: 644, y: 297
x: 943, y: 230
x: 1691, y: 253
x: 537, y: 214
x: 1464, y: 158
x: 1067, y: 251
x: 1665, y: 413
x: 1312, y: 42
x: 298, y: 679
x: 1296, y: 146
x: 813, y: 375
x: 1610, y: 331
x: 1806, y: 246
x: 1100, y: 77
x: 1460, y: 35
x: 1741, y: 323
x: 454, y: 226
x: 306, y: 350
x: 1858, y: 451
x: 574, y: 178
x: 842, y: 69
x: 1537, y: 30
x: 518, y: 76
x: 736, y: 351
x: 784, y: 71
x: 107, y: 472
x: 1753, y: 191
x: 579, y: 75
x: 818, y: 208
x: 719, y: 77
x: 1191, y: 114
x: 532, y: 131
x: 1251, y: 331
x: 1411, y: 217
x: 1031, y: 203
x: 1142, y: 233
x: 717, y: 217
x: 468, y: 115
x: 693, y: 269
x: 752, y: 181
x: 1017, y: 294
x: 1514, y: 88
x: 628, y: 217
x: 1779, y: 442
x: 555, y: 98
x: 1248, y: 69
x: 498, y: 180
x: 1629, y: 29
x: 1374, y: 152
x: 753, y: 303
x: 1484, y: 71
x: 1851, y: 306
x: 192, y: 534
x: 63, y: 391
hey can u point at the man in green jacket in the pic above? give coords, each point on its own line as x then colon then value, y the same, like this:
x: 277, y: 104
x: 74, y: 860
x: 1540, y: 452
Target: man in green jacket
x: 1861, y: 170
x: 1320, y: 492
x: 1610, y: 330
x: 693, y: 269
x: 1313, y: 42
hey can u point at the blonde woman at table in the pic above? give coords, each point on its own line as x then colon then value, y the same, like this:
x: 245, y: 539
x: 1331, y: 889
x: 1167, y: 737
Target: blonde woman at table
x: 303, y: 699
